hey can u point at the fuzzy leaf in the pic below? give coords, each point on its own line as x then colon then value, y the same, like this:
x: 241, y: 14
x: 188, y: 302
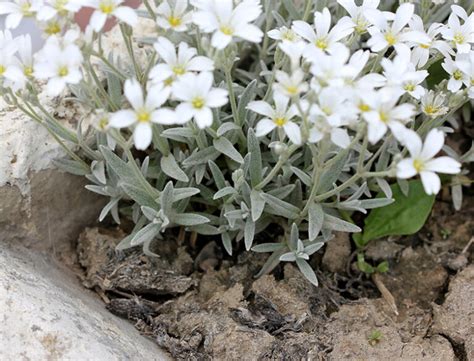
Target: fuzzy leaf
x: 227, y: 242
x: 189, y: 219
x: 201, y: 157
x: 224, y: 146
x: 71, y: 166
x: 224, y: 192
x: 255, y: 158
x: 315, y: 219
x: 280, y: 208
x: 249, y: 233
x: 337, y: 224
x: 248, y: 95
x: 145, y: 234
x: 307, y: 271
x: 257, y: 204
x: 171, y: 168
x: 227, y: 127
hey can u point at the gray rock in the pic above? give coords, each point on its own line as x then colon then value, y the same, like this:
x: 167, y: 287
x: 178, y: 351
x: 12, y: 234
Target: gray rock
x: 47, y: 315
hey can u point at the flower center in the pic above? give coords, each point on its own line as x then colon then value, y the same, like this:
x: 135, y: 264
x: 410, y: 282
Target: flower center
x: 169, y: 81
x: 459, y: 38
x: 430, y: 109
x: 364, y: 107
x: 198, y: 103
x: 179, y: 70
x: 103, y: 122
x: 289, y: 35
x: 28, y: 71
x: 143, y: 116
x: 291, y: 89
x: 326, y: 110
x: 174, y: 21
x: 457, y: 74
x: 2, y: 69
x: 409, y: 87
x: 383, y: 116
x: 63, y: 71
x: 25, y: 9
x: 425, y: 46
x: 361, y: 25
x: 52, y: 28
x: 321, y: 44
x: 280, y: 121
x: 391, y: 39
x: 227, y: 30
x: 418, y: 165
x: 107, y: 7
x: 59, y: 6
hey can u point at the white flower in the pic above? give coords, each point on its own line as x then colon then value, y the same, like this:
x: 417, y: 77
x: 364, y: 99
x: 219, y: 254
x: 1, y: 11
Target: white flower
x: 220, y: 18
x: 284, y: 33
x: 401, y: 74
x: 384, y: 114
x: 52, y: 8
x: 294, y: 51
x: 290, y: 85
x: 197, y: 97
x: 433, y: 104
x: 108, y: 8
x: 10, y: 71
x: 467, y: 67
x: 278, y: 117
x: 17, y: 10
x: 144, y: 112
x: 61, y: 66
x: 461, y: 35
x: 328, y: 69
x: 452, y: 67
x: 322, y: 36
x: 174, y: 18
x: 422, y: 160
x: 177, y: 65
x: 359, y: 22
x: 329, y: 116
x: 421, y: 51
x: 384, y: 35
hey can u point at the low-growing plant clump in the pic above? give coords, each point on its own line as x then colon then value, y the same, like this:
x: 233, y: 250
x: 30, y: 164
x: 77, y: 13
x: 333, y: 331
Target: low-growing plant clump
x: 234, y: 116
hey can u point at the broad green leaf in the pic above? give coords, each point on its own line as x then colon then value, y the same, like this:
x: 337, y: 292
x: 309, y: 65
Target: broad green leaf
x: 224, y: 146
x: 405, y: 216
x: 171, y: 168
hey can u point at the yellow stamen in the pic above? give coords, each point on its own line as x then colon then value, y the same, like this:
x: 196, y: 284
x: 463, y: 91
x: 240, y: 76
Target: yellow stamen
x: 409, y: 87
x: 63, y: 71
x: 3, y: 69
x: 326, y: 110
x: 52, y: 28
x: 459, y: 38
x: 383, y: 116
x: 25, y: 9
x: 107, y: 7
x: 102, y: 123
x: 279, y: 121
x: 179, y: 70
x: 169, y: 81
x: 292, y: 90
x: 28, y: 71
x: 425, y: 46
x: 198, y: 103
x: 418, y: 165
x: 174, y: 21
x: 143, y: 116
x: 364, y: 107
x: 321, y: 44
x: 430, y: 109
x: 391, y: 40
x: 289, y: 35
x: 227, y: 30
x: 457, y: 74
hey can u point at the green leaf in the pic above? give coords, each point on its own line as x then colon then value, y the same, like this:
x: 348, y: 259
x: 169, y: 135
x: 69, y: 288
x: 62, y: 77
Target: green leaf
x: 436, y: 74
x: 403, y: 217
x: 280, y: 208
x: 315, y: 219
x: 189, y: 219
x: 364, y: 266
x: 245, y: 98
x: 255, y: 158
x: 224, y: 146
x: 382, y: 267
x: 171, y: 168
x: 307, y: 271
x: 257, y: 204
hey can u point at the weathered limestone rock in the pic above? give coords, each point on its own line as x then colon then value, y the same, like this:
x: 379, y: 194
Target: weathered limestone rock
x: 46, y: 315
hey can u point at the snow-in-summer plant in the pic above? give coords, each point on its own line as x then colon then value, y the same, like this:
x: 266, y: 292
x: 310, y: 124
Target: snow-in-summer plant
x: 236, y: 116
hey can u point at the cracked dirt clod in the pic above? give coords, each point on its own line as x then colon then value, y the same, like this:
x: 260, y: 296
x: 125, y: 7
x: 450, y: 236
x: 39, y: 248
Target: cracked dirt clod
x: 455, y: 318
x: 337, y: 253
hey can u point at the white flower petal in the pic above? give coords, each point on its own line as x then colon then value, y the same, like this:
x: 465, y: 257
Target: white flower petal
x: 203, y: 117
x: 122, y: 118
x: 431, y: 182
x: 445, y: 165
x: 142, y: 135
x: 264, y: 126
x: 433, y: 143
x: 127, y: 15
x: 134, y: 93
x: 406, y: 169
x: 293, y: 132
x: 261, y: 107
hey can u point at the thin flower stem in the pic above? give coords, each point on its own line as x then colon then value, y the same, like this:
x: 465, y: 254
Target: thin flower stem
x: 111, y: 67
x: 307, y: 10
x: 131, y: 53
x: 230, y: 87
x: 281, y: 161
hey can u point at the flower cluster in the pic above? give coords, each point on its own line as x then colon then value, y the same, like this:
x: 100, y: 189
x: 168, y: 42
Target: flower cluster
x: 247, y: 118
